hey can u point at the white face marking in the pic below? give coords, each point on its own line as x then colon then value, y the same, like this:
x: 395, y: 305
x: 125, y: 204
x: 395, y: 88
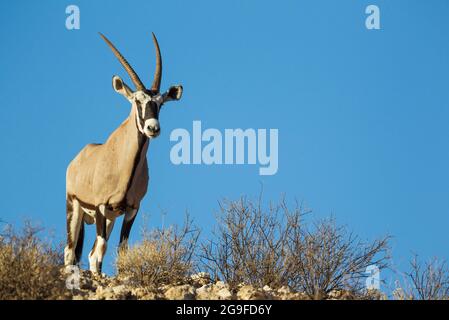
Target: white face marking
x: 151, y: 128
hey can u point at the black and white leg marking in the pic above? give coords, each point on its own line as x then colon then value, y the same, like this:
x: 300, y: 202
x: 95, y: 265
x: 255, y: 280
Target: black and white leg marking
x: 99, y: 249
x: 74, y: 221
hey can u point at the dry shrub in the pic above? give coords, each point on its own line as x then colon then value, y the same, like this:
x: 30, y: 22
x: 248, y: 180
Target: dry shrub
x: 249, y: 244
x: 327, y: 257
x: 425, y: 281
x: 272, y: 246
x: 165, y: 256
x: 29, y: 266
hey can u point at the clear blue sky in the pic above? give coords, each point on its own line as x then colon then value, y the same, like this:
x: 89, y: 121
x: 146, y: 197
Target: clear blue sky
x: 363, y: 116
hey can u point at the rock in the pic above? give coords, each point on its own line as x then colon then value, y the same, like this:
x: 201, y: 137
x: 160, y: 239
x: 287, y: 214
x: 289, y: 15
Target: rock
x: 92, y: 296
x: 334, y: 294
x: 139, y: 292
x: 200, y: 279
x: 224, y: 294
x: 146, y: 294
x: 197, y: 286
x: 338, y: 294
x: 267, y: 288
x: 218, y: 291
x: 220, y: 285
x: 204, y: 292
x: 298, y: 296
x: 285, y: 293
x: 248, y: 292
x: 151, y: 296
x: 269, y: 293
x: 87, y: 284
x: 284, y: 290
x: 374, y: 294
x: 221, y: 291
x: 347, y: 295
x: 181, y: 292
x: 319, y: 295
x: 104, y: 293
x: 121, y: 292
x: 119, y: 289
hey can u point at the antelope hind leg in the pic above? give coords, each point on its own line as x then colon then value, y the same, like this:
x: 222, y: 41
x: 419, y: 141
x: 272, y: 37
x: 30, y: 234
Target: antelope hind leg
x: 74, y: 221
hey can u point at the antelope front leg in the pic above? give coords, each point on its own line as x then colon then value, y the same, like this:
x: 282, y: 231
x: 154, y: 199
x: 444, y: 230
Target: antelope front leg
x: 128, y: 221
x: 99, y: 249
x: 109, y: 226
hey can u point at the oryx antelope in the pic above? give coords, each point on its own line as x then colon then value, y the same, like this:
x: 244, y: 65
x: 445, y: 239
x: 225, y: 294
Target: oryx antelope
x: 110, y: 179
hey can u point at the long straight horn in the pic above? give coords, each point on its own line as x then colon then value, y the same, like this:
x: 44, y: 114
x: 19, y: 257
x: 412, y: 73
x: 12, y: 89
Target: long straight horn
x: 158, y: 72
x: 133, y: 75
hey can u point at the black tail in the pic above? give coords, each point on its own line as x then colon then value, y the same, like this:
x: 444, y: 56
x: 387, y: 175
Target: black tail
x: 79, y: 244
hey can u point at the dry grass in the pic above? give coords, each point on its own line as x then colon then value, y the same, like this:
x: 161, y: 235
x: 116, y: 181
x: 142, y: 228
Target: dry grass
x: 29, y: 266
x: 165, y: 256
x: 272, y: 246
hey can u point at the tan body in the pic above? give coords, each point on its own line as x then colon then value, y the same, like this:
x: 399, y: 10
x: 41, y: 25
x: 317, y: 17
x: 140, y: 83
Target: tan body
x: 117, y: 171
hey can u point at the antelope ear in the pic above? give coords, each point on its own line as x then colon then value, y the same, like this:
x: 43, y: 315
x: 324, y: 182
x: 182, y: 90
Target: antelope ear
x: 121, y: 87
x: 174, y: 93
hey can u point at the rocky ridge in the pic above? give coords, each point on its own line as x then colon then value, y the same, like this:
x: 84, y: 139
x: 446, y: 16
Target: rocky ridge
x: 196, y: 287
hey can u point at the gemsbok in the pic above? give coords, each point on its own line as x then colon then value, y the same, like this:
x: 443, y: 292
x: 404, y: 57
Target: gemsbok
x: 107, y: 180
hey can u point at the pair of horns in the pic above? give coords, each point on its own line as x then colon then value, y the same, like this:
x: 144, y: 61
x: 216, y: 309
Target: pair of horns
x: 133, y: 75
